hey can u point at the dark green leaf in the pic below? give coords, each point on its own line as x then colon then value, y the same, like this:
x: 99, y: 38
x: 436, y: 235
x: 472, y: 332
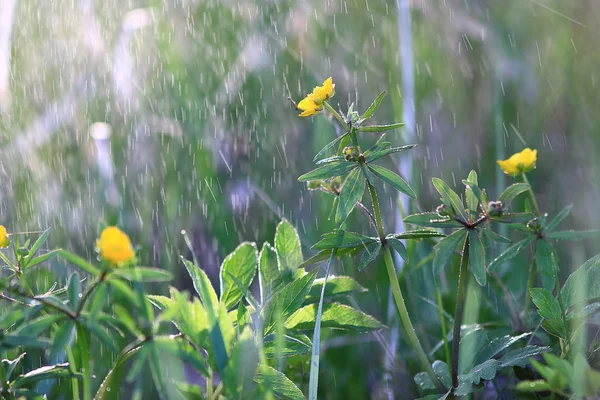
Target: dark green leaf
x: 349, y: 239
x: 241, y: 368
x: 47, y: 372
x: 239, y: 265
x: 282, y: 387
x: 320, y: 256
x: 450, y: 198
x: 547, y: 305
x: 544, y: 256
x: 337, y: 286
x: 330, y: 145
x: 393, y: 180
x: 373, y: 106
x: 380, y: 128
x: 417, y: 234
x: 574, y: 235
x: 583, y: 284
x: 433, y: 220
x: 513, y: 191
x: 559, y: 218
x: 498, y: 345
x: 445, y: 248
x: 328, y: 171
x: 510, y: 218
x: 477, y: 258
x: 77, y: 261
x: 369, y: 255
x: 143, y: 274
x: 484, y: 371
x: 511, y: 252
x: 62, y: 337
x: 287, y: 245
x: 520, y: 357
x: 397, y: 245
x: 470, y: 197
x: 335, y: 315
x: 376, y: 155
x: 352, y: 191
x: 74, y: 289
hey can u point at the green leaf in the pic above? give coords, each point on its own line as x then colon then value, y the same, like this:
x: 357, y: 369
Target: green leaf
x: 547, y: 305
x: 337, y: 286
x: 559, y: 218
x: 62, y: 337
x: 471, y: 198
x: 484, y: 371
x: 369, y: 255
x: 397, y: 245
x: 295, y: 343
x: 376, y: 155
x: 380, y: 128
x: 445, y: 248
x: 352, y: 191
x: 143, y: 274
x: 328, y: 171
x: 239, y: 265
x: 441, y: 370
x: 477, y: 258
x: 545, y: 264
x: 393, y: 180
x: 34, y: 248
x: 239, y: 373
x: 77, y: 261
x: 511, y: 252
x: 574, y: 235
x: 287, y: 300
x: 520, y: 357
x: 373, y: 106
x: 155, y: 359
x: 38, y: 325
x: 74, y: 289
x: 433, y: 220
x: 450, y: 198
x: 379, y: 145
x: 288, y: 247
x: 513, y: 191
x: 335, y: 315
x: 330, y: 145
x: 539, y: 385
x: 268, y: 270
x: 46, y: 372
x: 511, y: 218
x: 320, y: 256
x: 583, y: 284
x: 416, y: 234
x: 498, y: 345
x: 202, y: 285
x: 347, y: 240
x: 282, y: 387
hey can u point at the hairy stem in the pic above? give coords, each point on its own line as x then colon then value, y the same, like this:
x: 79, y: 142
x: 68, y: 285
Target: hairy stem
x: 458, y: 314
x: 534, y: 203
x: 377, y: 212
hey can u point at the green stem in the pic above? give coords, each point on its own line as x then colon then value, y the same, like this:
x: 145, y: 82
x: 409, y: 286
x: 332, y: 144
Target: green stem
x: 560, y: 300
x: 530, y: 281
x: 405, y: 318
x: 443, y: 325
x: 534, y: 203
x: 89, y: 291
x: 458, y: 314
x: 377, y: 212
x: 336, y: 115
x: 209, y: 386
x: 73, y: 368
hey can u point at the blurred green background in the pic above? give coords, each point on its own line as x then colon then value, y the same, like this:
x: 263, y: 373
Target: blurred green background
x: 163, y: 116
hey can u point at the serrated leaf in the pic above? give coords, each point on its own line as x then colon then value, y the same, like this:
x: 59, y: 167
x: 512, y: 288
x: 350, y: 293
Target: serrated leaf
x: 240, y: 265
x: 328, y: 171
x: 352, y: 191
x: 369, y: 255
x: 574, y: 235
x: 282, y: 387
x: 380, y: 128
x: 583, y: 284
x: 477, y: 257
x: 511, y: 252
x: 347, y: 240
x: 376, y: 155
x: 450, y: 198
x: 397, y: 245
x: 559, y: 218
x: 268, y: 271
x: 373, y: 106
x: 288, y: 247
x: 544, y: 256
x: 239, y: 373
x: 484, y: 371
x: 295, y: 343
x: 445, y: 248
x: 335, y: 315
x: 393, y: 180
x: 520, y: 357
x: 337, y: 286
x: 498, y: 345
x: 202, y: 285
x: 432, y: 220
x: 547, y: 305
x: 513, y: 191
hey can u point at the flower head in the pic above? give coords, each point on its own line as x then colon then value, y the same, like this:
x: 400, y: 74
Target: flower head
x: 114, y: 246
x: 4, y: 241
x: 519, y: 162
x: 313, y: 102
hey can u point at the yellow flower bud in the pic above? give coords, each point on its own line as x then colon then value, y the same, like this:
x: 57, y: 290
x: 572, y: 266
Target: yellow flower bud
x: 519, y: 162
x: 313, y: 103
x: 4, y: 241
x: 114, y: 246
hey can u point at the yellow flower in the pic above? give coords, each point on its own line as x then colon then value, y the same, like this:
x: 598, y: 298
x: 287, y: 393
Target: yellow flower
x: 313, y: 103
x: 114, y: 246
x: 4, y: 241
x: 519, y: 162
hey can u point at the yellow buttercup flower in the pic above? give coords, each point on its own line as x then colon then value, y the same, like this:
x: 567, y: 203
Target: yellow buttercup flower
x: 313, y: 103
x: 4, y: 241
x: 114, y: 246
x: 519, y: 162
